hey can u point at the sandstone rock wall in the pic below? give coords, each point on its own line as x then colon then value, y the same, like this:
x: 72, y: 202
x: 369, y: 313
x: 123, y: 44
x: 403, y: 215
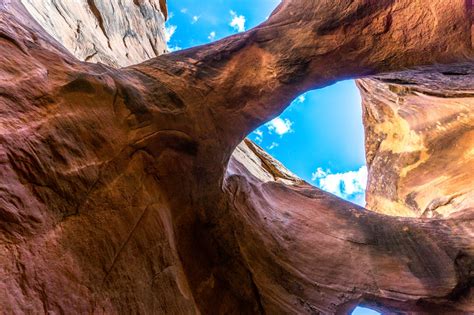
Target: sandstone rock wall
x: 419, y: 141
x: 119, y: 191
x: 114, y: 32
x: 120, y: 33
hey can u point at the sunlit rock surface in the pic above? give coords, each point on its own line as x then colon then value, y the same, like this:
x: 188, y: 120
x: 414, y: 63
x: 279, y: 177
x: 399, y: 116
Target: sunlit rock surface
x: 119, y: 194
x: 113, y: 32
x: 420, y: 141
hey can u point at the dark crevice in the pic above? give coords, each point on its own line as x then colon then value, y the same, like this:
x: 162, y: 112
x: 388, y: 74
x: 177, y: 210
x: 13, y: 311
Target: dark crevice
x: 89, y: 57
x: 396, y: 81
x: 153, y: 46
x: 99, y: 18
x: 450, y: 73
x: 14, y: 41
x: 256, y: 292
x: 464, y: 266
x: 164, y: 8
x: 431, y: 209
x: 61, y: 14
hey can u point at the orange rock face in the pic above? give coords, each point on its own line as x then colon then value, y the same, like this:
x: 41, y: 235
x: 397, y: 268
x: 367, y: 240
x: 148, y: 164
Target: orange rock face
x: 419, y: 141
x: 121, y: 190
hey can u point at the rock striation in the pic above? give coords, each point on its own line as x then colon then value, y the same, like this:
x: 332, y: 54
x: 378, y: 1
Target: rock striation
x: 419, y: 141
x: 121, y: 189
x: 115, y: 32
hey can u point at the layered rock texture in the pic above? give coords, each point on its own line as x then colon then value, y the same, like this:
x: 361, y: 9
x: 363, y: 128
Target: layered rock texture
x: 420, y: 141
x: 121, y: 190
x: 112, y: 32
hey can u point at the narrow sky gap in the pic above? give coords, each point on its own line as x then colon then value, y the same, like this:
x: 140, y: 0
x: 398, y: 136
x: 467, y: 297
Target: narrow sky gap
x: 320, y: 137
x: 359, y: 310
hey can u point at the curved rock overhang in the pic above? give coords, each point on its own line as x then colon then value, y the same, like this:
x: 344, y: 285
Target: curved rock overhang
x: 119, y: 189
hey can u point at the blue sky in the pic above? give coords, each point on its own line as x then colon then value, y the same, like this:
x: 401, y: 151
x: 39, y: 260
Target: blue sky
x: 320, y: 137
x: 364, y: 311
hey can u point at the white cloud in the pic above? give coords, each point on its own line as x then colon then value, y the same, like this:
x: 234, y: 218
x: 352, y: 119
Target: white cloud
x: 212, y: 36
x: 301, y: 98
x: 174, y: 48
x: 195, y: 19
x: 169, y: 32
x: 237, y: 22
x: 184, y: 10
x: 272, y: 146
x: 279, y: 126
x: 350, y: 185
x: 258, y: 135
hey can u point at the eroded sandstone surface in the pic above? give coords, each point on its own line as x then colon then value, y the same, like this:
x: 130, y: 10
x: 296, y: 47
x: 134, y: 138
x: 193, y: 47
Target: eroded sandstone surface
x: 120, y: 192
x: 419, y: 141
x: 113, y: 32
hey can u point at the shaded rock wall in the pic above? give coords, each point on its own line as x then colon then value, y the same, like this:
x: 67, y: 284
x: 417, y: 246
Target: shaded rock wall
x: 302, y: 245
x: 419, y: 141
x: 119, y: 190
x: 47, y: 204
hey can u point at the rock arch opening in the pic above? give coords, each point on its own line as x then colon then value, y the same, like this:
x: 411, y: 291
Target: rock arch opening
x: 115, y: 197
x: 413, y: 121
x: 362, y: 310
x: 320, y: 138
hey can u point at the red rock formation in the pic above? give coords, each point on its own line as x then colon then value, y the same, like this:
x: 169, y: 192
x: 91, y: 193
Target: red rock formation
x: 420, y: 140
x: 118, y: 192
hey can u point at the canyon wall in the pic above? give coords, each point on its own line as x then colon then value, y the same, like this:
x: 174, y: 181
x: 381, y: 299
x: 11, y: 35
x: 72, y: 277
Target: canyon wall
x: 114, y: 32
x: 122, y: 190
x: 404, y: 119
x: 419, y: 129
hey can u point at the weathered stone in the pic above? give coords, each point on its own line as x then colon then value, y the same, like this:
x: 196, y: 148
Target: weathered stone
x: 113, y: 32
x: 119, y: 192
x: 419, y: 141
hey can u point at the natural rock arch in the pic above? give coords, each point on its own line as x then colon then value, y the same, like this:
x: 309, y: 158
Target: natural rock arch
x: 119, y: 193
